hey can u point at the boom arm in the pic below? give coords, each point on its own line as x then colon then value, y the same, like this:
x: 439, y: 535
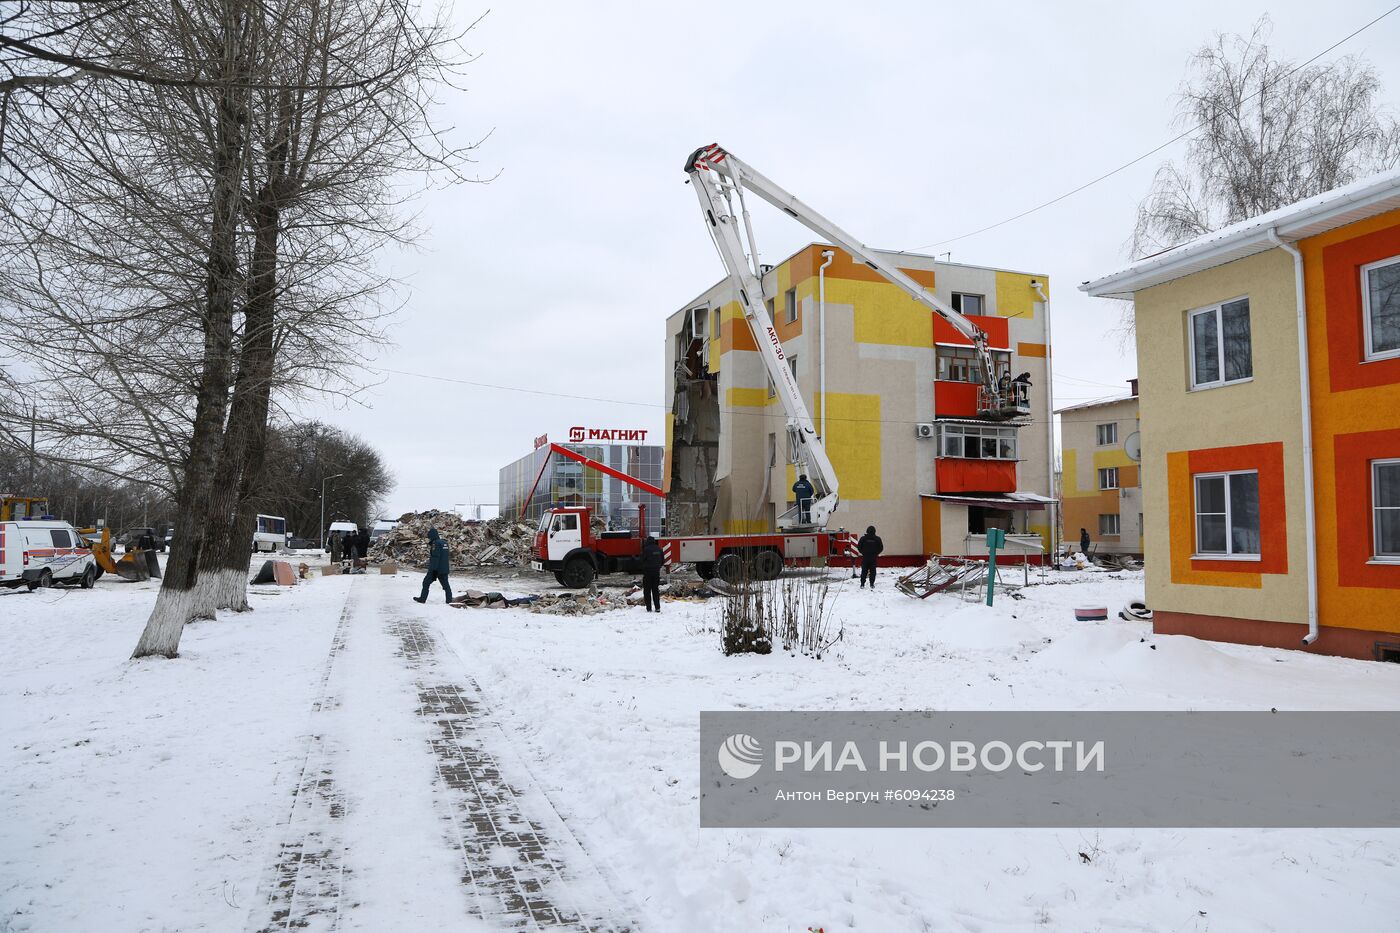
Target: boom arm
x: 719, y: 178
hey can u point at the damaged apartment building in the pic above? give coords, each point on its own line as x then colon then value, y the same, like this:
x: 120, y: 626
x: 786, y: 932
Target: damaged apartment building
x: 892, y: 389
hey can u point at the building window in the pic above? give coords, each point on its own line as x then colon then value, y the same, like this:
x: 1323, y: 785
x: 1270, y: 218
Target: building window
x: 1380, y: 298
x: 1108, y: 478
x: 1227, y: 514
x: 1108, y: 525
x: 976, y: 442
x: 965, y: 303
x: 959, y: 364
x: 790, y: 302
x: 772, y: 313
x: 772, y: 390
x: 1220, y: 345
x: 1107, y: 434
x: 1385, y: 503
x: 792, y: 365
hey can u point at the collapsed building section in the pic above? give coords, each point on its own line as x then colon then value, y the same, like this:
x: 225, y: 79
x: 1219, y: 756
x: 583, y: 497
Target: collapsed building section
x: 692, y: 427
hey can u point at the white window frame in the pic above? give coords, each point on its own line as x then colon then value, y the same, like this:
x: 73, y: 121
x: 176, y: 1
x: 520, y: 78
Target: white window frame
x: 965, y: 431
x: 1112, y: 432
x: 1105, y: 473
x: 1229, y: 552
x: 1366, y: 310
x: 1116, y: 524
x: 790, y: 304
x: 1217, y: 309
x: 792, y: 366
x: 1376, y: 555
x: 981, y: 303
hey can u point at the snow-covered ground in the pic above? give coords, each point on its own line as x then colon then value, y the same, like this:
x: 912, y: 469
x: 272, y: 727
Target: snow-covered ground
x: 149, y: 795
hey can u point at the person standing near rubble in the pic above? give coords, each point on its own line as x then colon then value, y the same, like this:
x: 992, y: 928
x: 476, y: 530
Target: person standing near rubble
x: 438, y: 565
x: 653, y: 559
x: 870, y: 547
x: 335, y: 547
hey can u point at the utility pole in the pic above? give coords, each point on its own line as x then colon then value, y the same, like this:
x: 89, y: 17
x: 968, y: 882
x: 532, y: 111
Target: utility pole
x: 324, y: 480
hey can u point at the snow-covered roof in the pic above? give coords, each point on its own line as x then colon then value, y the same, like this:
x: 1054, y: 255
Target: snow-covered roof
x: 1336, y: 208
x: 1097, y: 402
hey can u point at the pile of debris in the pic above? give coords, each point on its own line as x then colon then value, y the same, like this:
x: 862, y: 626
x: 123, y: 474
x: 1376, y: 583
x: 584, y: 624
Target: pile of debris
x: 561, y: 604
x: 469, y: 543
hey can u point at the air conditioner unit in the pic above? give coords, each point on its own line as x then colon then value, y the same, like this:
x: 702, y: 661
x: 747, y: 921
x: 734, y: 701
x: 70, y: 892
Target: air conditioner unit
x: 924, y: 430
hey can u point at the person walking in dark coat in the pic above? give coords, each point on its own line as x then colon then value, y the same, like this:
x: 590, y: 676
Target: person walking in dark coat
x: 802, y: 489
x: 438, y: 565
x: 1084, y: 541
x: 335, y: 547
x: 362, y: 544
x: 870, y: 547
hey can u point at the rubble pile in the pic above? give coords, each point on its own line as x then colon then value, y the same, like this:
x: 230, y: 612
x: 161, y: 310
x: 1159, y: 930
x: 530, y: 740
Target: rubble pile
x: 469, y: 543
x: 561, y: 604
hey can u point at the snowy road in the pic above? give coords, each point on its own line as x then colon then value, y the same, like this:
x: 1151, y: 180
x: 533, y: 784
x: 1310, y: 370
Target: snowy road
x: 345, y: 759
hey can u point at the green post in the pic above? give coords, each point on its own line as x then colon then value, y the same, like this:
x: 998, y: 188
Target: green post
x: 995, y: 538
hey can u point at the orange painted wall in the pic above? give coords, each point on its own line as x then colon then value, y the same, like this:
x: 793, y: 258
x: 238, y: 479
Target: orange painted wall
x: 956, y: 475
x: 1356, y: 418
x: 954, y: 399
x: 932, y: 517
x: 997, y: 329
x: 1182, y: 465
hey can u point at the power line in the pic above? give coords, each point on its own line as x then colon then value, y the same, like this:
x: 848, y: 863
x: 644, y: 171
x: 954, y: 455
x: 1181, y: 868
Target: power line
x: 1150, y: 152
x: 745, y: 412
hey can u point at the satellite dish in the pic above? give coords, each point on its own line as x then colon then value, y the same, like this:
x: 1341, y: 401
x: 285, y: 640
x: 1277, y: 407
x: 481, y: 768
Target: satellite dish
x: 1133, y: 447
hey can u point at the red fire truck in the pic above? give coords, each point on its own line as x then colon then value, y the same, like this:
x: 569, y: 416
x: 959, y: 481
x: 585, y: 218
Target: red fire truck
x: 567, y: 545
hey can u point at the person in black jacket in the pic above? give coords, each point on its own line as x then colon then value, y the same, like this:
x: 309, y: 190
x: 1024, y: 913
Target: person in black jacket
x: 870, y: 547
x: 653, y: 559
x: 802, y: 490
x: 1084, y: 540
x: 438, y: 565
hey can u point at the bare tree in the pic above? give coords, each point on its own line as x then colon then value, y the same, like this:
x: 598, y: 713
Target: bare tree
x: 193, y: 237
x: 1271, y: 133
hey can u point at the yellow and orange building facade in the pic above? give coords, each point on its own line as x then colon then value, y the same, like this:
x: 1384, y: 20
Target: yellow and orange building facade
x: 882, y: 353
x: 1196, y: 438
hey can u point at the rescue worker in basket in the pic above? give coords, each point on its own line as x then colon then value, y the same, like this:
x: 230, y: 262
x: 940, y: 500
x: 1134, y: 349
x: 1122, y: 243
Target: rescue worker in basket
x: 802, y: 490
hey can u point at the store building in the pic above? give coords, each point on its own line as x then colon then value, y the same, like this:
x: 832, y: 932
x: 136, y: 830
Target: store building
x: 1268, y: 353
x: 892, y: 389
x: 1100, y: 486
x: 567, y: 482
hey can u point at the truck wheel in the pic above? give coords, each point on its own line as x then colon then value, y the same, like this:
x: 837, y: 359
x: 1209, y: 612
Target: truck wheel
x: 578, y: 573
x: 89, y: 577
x: 99, y: 571
x: 767, y: 565
x: 730, y: 568
x: 559, y: 575
x: 706, y: 569
x: 45, y: 581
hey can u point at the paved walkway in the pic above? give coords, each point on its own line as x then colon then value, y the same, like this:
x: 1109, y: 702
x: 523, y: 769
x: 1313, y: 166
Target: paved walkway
x: 401, y: 813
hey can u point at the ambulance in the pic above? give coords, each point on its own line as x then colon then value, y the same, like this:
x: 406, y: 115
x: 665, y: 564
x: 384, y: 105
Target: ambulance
x: 44, y: 552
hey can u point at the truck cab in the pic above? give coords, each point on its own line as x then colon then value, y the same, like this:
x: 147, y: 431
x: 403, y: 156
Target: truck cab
x: 566, y: 545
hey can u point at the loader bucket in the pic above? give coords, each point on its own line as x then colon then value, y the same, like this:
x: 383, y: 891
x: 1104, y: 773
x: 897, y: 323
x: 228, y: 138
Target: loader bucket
x: 132, y: 567
x: 152, y: 564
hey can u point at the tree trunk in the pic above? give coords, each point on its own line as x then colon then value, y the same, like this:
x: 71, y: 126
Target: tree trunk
x: 176, y: 600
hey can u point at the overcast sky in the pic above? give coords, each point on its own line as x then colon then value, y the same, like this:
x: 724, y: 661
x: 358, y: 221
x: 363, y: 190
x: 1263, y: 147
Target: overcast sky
x: 906, y: 123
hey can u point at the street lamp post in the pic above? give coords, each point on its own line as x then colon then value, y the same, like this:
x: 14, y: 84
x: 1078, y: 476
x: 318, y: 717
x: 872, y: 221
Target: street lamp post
x: 324, y: 480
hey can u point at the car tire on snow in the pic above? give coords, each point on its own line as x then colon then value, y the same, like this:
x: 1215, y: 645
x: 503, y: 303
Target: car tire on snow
x: 89, y: 577
x: 45, y: 581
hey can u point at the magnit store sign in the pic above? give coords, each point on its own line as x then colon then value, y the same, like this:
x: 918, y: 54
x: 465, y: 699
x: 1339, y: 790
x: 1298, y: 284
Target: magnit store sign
x: 1098, y: 770
x: 586, y: 435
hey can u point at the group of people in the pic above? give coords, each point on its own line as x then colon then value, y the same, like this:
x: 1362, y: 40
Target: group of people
x: 349, y: 545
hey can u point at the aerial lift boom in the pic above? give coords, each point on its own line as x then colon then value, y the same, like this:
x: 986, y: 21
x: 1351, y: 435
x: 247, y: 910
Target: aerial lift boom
x: 720, y: 179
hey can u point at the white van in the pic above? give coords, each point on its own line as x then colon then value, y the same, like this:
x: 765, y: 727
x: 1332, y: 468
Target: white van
x: 42, y: 553
x: 270, y: 534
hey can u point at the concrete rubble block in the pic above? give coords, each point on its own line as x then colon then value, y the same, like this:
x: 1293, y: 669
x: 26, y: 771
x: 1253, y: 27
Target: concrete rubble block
x: 469, y: 543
